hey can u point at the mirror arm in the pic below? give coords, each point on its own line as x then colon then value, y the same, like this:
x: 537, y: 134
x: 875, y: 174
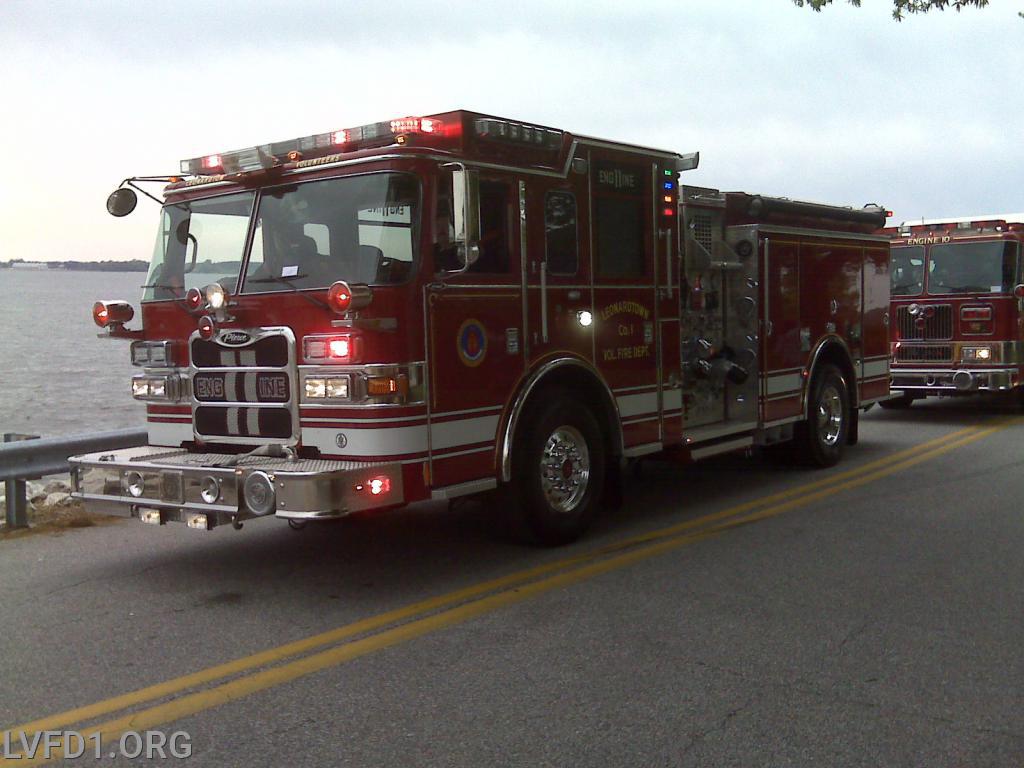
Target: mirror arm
x: 131, y: 183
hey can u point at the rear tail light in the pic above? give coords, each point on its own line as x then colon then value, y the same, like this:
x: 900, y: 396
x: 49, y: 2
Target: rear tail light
x: 112, y: 313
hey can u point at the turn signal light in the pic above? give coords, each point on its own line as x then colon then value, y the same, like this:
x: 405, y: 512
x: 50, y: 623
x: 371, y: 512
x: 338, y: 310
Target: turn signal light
x: 379, y: 386
x: 112, y: 313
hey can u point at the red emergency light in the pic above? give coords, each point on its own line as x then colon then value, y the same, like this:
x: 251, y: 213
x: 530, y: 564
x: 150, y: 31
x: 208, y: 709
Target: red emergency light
x: 112, y: 313
x: 342, y: 297
x: 207, y: 327
x: 267, y: 156
x: 342, y: 348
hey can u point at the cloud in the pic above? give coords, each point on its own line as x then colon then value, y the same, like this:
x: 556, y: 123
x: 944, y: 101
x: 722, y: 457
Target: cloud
x: 844, y: 106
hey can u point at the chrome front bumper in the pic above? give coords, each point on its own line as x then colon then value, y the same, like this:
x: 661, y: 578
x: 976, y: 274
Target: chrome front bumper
x: 168, y: 485
x: 922, y: 381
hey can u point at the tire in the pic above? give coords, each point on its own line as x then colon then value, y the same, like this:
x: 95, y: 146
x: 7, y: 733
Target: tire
x: 821, y: 438
x: 558, y: 472
x: 898, y: 403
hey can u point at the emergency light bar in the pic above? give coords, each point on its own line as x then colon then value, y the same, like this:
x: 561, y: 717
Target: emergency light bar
x: 267, y: 156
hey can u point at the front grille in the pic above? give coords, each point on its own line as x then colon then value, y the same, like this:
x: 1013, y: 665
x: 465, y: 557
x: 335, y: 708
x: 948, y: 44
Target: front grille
x: 938, y: 326
x: 266, y: 352
x: 238, y: 421
x: 245, y: 393
x: 930, y: 353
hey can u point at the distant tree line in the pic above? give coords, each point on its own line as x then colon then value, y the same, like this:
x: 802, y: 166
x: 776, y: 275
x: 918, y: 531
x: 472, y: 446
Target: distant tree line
x: 133, y: 265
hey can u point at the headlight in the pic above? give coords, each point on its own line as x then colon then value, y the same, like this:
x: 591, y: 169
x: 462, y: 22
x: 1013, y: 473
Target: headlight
x: 329, y: 388
x: 146, y: 387
x: 976, y: 354
x: 216, y: 296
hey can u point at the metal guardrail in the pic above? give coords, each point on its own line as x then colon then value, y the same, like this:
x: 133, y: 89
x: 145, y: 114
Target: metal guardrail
x: 27, y: 457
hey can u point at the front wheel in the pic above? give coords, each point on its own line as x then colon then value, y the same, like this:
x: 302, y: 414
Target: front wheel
x: 820, y: 439
x: 558, y: 473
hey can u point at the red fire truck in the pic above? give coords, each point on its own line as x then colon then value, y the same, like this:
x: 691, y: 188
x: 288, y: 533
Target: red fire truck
x: 433, y: 307
x: 958, y: 307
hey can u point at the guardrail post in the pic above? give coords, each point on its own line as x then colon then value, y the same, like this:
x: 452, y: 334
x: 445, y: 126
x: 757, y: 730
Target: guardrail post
x: 17, y: 504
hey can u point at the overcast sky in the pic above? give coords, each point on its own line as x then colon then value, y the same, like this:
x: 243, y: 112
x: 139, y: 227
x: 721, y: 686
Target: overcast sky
x: 846, y: 106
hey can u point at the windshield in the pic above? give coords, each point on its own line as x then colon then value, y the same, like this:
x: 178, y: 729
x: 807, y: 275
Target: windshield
x: 908, y: 271
x: 361, y: 229
x: 986, y: 267
x: 199, y: 243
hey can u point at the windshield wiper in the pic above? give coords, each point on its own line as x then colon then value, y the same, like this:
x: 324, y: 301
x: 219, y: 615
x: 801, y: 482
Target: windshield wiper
x: 274, y: 279
x: 294, y: 289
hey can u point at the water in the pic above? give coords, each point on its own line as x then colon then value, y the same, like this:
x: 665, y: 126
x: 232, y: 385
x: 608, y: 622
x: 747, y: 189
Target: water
x: 56, y: 377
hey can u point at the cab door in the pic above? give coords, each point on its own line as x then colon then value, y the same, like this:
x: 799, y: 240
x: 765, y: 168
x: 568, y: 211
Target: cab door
x: 474, y: 341
x: 623, y: 230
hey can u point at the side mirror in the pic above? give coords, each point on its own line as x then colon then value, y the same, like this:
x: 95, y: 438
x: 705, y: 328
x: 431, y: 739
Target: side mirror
x: 466, y: 201
x: 122, y: 202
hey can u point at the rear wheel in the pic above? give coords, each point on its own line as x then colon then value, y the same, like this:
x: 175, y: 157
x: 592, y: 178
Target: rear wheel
x: 898, y: 403
x: 558, y: 474
x: 820, y: 439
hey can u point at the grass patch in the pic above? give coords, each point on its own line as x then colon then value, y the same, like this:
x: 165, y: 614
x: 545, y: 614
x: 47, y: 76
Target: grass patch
x: 56, y: 519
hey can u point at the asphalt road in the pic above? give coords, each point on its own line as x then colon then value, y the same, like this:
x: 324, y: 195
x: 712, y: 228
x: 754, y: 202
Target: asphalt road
x: 738, y: 612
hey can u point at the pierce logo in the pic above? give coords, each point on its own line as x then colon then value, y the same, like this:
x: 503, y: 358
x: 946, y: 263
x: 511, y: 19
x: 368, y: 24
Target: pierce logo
x: 234, y: 338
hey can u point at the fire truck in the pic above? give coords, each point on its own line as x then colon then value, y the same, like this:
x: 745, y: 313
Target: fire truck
x: 958, y: 307
x: 441, y: 306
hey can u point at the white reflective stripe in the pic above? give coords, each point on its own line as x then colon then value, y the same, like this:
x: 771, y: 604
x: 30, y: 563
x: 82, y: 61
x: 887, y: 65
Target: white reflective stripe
x: 448, y: 434
x: 227, y: 358
x: 234, y: 427
x: 385, y: 441
x: 634, y: 405
x: 672, y: 399
x: 162, y: 433
x: 248, y: 357
x: 786, y: 383
x: 252, y: 420
x: 229, y: 386
x: 250, y: 387
x: 876, y: 368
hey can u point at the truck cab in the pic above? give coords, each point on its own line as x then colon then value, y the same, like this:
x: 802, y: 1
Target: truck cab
x: 957, y: 294
x: 442, y: 306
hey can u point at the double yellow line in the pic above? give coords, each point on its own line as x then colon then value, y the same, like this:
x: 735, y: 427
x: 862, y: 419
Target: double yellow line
x: 290, y: 661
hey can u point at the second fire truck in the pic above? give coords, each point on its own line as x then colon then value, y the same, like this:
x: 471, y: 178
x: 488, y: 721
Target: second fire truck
x: 957, y: 307
x: 433, y: 307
